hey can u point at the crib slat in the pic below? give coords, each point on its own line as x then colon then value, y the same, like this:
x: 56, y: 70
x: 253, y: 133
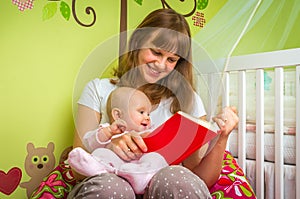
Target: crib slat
x: 260, y: 133
x: 279, y: 188
x: 298, y: 132
x: 210, y: 97
x: 242, y: 120
x: 215, y: 88
x: 225, y: 95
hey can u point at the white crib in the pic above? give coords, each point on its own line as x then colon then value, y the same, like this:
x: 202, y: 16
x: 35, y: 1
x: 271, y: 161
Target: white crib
x: 271, y: 117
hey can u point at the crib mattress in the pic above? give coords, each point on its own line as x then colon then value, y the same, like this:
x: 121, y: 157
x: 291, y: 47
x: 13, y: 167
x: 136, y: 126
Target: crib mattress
x: 289, y: 146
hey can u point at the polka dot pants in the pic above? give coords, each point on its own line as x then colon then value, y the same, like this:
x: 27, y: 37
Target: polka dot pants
x: 175, y: 182
x: 106, y: 185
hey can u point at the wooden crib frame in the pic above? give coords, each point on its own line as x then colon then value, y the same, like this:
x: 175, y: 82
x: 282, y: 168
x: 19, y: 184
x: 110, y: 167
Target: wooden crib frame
x: 259, y: 62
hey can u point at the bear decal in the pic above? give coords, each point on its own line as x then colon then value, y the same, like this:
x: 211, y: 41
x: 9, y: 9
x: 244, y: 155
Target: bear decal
x: 39, y: 162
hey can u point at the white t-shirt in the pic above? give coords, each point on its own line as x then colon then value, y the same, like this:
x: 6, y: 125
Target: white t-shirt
x: 96, y: 92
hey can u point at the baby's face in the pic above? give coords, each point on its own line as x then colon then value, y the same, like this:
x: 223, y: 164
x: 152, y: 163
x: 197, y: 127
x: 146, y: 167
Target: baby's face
x: 137, y: 115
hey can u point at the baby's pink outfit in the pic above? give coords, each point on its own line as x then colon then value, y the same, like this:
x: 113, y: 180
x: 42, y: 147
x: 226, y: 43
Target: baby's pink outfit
x: 137, y: 172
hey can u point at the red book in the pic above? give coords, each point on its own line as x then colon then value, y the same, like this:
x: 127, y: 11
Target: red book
x: 180, y: 136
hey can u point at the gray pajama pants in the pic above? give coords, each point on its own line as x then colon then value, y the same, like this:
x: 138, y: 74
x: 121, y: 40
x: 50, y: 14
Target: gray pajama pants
x: 170, y: 182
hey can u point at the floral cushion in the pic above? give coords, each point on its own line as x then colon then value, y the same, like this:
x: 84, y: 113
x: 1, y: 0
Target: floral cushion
x: 231, y: 184
x: 57, y: 184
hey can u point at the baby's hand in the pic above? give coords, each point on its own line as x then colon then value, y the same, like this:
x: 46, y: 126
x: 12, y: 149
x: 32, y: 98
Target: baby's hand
x: 118, y: 127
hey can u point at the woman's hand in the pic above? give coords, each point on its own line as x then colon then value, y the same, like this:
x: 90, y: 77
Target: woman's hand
x: 129, y: 146
x: 117, y: 127
x: 227, y: 120
x: 212, y: 162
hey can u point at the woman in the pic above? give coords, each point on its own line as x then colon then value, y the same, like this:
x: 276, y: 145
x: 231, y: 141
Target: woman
x: 159, y: 61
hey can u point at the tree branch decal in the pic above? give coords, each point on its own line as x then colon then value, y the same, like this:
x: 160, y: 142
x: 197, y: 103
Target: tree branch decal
x: 165, y: 4
x: 88, y: 11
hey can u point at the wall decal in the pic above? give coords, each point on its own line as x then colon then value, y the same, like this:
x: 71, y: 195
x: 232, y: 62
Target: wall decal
x: 199, y: 19
x: 165, y: 4
x: 202, y: 4
x: 23, y: 4
x: 140, y: 2
x: 51, y: 8
x: 88, y: 10
x: 39, y: 162
x: 9, y: 181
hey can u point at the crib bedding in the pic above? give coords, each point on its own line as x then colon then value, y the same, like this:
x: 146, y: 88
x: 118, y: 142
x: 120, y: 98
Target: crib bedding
x: 289, y: 149
x: 269, y: 175
x: 270, y: 128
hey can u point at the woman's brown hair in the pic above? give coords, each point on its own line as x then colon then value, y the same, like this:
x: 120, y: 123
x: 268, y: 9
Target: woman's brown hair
x: 167, y: 30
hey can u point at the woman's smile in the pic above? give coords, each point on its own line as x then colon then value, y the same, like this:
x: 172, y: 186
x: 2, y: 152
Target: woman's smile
x: 153, y: 70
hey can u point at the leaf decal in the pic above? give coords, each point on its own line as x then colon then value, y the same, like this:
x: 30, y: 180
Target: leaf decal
x: 140, y: 2
x: 65, y: 10
x: 202, y: 4
x: 49, y: 10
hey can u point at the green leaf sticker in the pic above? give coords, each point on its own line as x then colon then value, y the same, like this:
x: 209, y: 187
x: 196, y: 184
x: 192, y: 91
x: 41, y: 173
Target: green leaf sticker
x: 49, y: 10
x: 202, y: 4
x: 65, y: 10
x: 140, y: 2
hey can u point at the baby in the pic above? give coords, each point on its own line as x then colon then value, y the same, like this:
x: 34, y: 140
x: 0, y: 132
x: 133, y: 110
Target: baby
x: 128, y: 110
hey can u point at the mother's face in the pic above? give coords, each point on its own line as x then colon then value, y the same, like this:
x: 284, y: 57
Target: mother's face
x: 155, y: 63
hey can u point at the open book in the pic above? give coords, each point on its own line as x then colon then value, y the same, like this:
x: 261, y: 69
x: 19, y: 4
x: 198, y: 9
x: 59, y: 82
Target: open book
x: 180, y: 136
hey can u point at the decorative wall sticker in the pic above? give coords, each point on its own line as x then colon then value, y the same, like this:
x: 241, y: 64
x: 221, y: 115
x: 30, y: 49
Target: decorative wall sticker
x: 65, y: 10
x: 199, y: 19
x: 59, y: 182
x: 23, y: 4
x: 39, y: 162
x: 9, y: 181
x: 140, y: 2
x: 50, y: 9
x: 165, y: 4
x: 202, y: 4
x: 88, y: 10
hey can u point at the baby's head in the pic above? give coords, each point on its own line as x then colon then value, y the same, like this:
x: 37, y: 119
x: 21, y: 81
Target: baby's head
x: 130, y: 105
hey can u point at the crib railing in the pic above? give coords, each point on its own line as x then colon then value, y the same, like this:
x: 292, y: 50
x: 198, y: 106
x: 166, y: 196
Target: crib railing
x: 260, y: 62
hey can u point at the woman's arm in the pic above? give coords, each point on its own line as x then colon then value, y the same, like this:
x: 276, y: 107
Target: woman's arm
x: 87, y: 119
x: 210, y: 166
